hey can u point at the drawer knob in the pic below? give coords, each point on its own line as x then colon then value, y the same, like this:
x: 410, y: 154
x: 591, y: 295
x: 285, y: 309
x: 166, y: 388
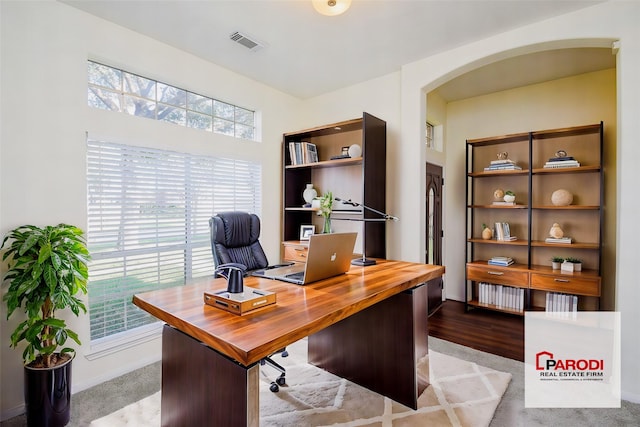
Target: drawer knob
x: 496, y: 273
x: 562, y: 280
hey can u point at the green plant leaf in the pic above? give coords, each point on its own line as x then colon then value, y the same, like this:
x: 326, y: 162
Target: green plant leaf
x: 46, y: 268
x: 28, y: 244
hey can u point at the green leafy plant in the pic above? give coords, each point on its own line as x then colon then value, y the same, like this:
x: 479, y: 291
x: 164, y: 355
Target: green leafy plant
x: 573, y: 260
x: 509, y: 193
x: 326, y: 204
x: 557, y: 259
x: 47, y: 269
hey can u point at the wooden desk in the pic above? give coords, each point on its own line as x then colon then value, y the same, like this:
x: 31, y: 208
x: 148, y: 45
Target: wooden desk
x: 369, y: 326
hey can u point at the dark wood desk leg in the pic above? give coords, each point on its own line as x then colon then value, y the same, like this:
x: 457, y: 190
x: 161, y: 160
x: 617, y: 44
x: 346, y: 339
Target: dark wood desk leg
x: 202, y: 387
x: 379, y: 347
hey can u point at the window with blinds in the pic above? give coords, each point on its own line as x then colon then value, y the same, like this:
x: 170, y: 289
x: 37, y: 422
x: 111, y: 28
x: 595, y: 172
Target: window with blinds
x: 148, y: 223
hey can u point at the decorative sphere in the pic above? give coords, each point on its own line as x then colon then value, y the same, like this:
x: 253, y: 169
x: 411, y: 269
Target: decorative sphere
x: 561, y: 197
x: 355, y: 150
x: 498, y: 194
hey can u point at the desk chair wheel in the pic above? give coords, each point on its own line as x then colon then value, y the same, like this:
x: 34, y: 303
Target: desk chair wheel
x: 275, y: 385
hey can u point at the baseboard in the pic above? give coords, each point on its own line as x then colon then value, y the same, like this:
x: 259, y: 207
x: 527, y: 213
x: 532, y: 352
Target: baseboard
x: 13, y: 412
x: 631, y: 397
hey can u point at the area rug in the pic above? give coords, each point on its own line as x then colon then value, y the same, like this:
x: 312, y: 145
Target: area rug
x: 461, y: 393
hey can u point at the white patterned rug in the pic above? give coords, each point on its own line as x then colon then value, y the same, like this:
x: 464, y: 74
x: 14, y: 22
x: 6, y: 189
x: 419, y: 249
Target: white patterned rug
x: 461, y: 394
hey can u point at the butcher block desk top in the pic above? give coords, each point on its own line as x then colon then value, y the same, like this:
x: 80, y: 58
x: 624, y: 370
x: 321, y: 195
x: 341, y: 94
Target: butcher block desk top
x: 299, y: 310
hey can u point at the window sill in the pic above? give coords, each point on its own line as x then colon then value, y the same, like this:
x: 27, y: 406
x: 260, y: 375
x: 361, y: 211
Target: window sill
x: 109, y: 345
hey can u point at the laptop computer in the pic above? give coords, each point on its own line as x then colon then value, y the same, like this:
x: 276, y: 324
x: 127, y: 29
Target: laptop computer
x: 329, y: 255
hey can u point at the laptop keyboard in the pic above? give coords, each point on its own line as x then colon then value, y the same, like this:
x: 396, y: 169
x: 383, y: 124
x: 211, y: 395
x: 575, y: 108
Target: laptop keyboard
x: 296, y: 276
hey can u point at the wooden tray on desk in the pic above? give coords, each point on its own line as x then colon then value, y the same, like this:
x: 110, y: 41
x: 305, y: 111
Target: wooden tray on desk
x: 241, y: 303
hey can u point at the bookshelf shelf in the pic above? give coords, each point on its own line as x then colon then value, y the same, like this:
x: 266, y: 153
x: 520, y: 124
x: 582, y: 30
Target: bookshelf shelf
x: 534, y: 214
x: 328, y: 163
x: 344, y: 177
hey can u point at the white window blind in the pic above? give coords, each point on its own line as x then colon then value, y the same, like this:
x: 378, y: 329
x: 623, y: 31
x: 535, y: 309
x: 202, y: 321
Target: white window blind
x: 148, y: 223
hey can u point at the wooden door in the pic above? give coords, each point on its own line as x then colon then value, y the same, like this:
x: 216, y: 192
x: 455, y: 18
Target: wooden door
x: 434, y: 231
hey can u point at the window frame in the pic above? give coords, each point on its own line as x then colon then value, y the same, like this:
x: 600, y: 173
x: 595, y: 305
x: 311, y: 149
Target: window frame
x: 241, y: 129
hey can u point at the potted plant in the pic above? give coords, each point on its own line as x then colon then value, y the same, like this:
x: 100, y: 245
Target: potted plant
x: 556, y: 261
x: 577, y: 263
x: 47, y: 269
x: 509, y: 196
x: 326, y: 205
x: 487, y: 233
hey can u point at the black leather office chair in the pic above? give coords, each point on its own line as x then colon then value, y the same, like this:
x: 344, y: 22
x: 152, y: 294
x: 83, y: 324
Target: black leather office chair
x: 234, y: 239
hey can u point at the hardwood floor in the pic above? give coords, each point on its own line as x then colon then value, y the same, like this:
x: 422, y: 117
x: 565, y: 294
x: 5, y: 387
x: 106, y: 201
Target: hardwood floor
x: 489, y: 331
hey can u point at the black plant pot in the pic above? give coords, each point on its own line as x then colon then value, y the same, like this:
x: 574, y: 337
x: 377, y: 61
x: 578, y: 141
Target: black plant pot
x: 47, y: 395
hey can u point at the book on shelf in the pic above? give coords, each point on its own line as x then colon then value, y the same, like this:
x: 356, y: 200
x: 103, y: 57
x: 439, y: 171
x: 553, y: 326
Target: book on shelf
x: 562, y: 164
x: 501, y: 296
x: 302, y: 153
x: 500, y: 167
x: 502, y: 231
x: 501, y: 261
x: 558, y: 240
x: 502, y: 162
x: 503, y: 203
x: 557, y: 302
x: 561, y: 158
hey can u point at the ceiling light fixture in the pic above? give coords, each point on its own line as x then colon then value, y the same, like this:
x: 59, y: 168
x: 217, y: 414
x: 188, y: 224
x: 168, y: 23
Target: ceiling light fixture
x: 331, y: 7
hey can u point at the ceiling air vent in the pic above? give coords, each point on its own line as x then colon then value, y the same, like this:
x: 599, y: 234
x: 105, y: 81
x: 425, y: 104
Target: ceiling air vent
x: 246, y: 41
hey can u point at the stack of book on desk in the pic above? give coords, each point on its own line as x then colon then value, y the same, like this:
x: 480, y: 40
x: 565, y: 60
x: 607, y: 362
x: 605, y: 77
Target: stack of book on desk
x: 558, y: 240
x: 499, y: 165
x: 562, y: 162
x: 502, y: 261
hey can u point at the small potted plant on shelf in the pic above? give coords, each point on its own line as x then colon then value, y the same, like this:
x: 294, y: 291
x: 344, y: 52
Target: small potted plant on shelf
x: 326, y: 206
x: 47, y: 269
x: 556, y: 261
x: 509, y: 196
x: 576, y: 263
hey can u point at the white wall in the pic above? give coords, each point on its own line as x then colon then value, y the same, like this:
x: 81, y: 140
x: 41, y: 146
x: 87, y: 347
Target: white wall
x: 596, y: 26
x: 45, y: 47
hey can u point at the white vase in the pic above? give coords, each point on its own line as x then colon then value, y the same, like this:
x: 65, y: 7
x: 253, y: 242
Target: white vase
x: 309, y: 194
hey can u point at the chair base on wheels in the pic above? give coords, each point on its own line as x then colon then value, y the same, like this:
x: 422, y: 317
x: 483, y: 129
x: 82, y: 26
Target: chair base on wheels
x: 281, y: 380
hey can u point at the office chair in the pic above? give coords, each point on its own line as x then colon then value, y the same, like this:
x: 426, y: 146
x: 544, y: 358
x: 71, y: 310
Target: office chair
x: 234, y: 239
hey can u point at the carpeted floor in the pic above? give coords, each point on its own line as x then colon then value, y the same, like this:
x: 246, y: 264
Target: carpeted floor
x: 461, y: 394
x: 108, y: 397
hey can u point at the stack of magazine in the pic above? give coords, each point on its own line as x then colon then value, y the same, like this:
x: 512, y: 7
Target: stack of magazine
x: 558, y: 240
x: 504, y: 164
x: 302, y: 153
x: 562, y: 162
x: 502, y: 261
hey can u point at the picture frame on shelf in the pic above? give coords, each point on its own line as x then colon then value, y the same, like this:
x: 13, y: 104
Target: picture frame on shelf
x: 306, y: 231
